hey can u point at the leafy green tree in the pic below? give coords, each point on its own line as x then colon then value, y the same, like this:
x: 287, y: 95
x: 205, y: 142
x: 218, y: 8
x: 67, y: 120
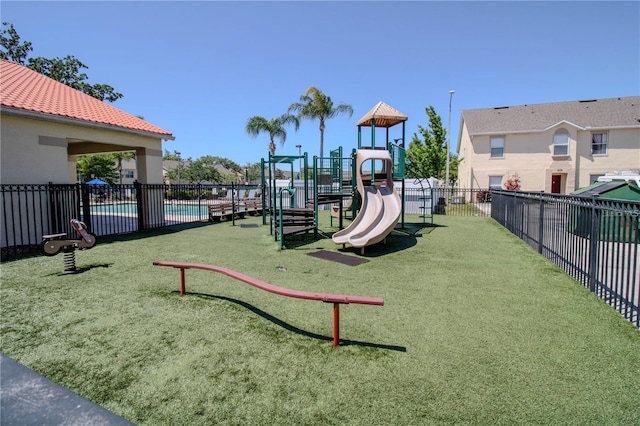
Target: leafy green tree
x: 66, y: 70
x: 316, y: 105
x: 229, y: 171
x: 226, y: 163
x: 252, y: 172
x: 178, y: 172
x: 427, y: 153
x: 172, y: 156
x: 202, y: 170
x: 197, y: 171
x: 274, y: 127
x: 12, y: 49
x: 101, y: 166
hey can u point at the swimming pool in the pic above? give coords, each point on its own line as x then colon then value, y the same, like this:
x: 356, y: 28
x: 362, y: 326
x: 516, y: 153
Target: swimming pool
x: 170, y: 209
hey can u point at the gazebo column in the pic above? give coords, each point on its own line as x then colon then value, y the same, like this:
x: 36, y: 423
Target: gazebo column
x: 151, y: 195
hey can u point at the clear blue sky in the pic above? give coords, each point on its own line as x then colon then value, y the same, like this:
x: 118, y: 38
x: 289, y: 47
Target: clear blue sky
x: 201, y: 69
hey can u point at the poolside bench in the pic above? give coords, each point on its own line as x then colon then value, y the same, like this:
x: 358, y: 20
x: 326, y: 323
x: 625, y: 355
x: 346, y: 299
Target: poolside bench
x: 223, y: 211
x: 253, y: 207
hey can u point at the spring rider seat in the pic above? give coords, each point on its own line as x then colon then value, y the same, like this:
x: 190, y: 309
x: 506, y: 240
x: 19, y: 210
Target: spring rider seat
x: 55, y: 243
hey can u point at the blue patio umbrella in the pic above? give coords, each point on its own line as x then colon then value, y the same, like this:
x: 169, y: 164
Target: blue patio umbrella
x: 97, y: 181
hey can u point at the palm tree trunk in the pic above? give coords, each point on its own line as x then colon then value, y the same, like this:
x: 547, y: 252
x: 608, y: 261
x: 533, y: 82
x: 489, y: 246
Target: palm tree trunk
x: 321, y: 138
x: 272, y: 150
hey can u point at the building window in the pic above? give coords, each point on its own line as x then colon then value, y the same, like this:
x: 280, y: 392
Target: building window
x: 128, y: 174
x: 497, y: 147
x: 495, y: 182
x: 561, y: 142
x: 599, y: 143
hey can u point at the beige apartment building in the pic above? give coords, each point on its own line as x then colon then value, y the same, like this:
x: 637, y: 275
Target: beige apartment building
x: 553, y: 147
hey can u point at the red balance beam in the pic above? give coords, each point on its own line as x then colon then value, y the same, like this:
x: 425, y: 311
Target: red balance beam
x: 336, y: 299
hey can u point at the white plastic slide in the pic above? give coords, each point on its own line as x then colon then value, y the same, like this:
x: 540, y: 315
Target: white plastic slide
x: 381, y: 206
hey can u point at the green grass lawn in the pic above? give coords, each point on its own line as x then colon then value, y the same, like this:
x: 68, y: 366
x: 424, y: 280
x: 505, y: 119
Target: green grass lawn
x: 477, y: 328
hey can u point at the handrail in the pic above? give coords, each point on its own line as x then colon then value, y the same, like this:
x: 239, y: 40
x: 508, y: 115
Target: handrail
x: 336, y: 299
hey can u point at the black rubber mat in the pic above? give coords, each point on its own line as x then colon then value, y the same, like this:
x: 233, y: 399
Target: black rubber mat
x: 338, y: 257
x: 248, y: 225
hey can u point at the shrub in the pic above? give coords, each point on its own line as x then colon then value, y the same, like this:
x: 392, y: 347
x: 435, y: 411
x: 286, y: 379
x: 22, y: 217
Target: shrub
x: 513, y: 183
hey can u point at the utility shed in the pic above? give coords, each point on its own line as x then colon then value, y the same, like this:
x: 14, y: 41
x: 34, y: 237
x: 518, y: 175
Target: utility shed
x: 611, y: 213
x: 617, y: 190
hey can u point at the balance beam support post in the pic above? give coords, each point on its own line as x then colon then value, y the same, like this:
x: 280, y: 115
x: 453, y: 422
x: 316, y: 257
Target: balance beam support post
x: 336, y: 324
x: 182, y: 283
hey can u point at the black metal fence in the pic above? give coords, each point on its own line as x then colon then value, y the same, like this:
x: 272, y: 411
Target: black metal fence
x: 28, y: 212
x: 462, y: 201
x: 594, y: 240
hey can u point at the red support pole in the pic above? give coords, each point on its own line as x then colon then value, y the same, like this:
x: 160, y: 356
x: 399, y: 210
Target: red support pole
x: 182, y: 284
x: 336, y: 324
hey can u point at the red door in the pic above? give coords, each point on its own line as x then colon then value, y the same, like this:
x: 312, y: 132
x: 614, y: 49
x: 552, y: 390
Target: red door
x: 555, y: 184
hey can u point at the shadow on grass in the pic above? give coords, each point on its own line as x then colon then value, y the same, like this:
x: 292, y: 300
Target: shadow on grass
x: 287, y: 326
x: 394, y: 243
x: 417, y: 229
x: 399, y: 239
x: 82, y: 269
x: 300, y: 240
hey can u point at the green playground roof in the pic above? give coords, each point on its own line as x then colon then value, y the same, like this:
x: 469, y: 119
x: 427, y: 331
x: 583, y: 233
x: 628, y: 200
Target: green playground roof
x: 284, y: 158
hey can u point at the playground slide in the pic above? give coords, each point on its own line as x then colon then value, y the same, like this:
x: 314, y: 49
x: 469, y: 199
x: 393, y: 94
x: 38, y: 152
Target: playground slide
x: 381, y: 206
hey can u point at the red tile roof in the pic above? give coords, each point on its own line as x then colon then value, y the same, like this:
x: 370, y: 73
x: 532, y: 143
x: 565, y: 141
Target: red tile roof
x: 24, y: 89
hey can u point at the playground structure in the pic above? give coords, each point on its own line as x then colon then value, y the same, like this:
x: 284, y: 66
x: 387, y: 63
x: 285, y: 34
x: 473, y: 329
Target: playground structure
x: 344, y: 183
x: 336, y: 299
x: 55, y: 243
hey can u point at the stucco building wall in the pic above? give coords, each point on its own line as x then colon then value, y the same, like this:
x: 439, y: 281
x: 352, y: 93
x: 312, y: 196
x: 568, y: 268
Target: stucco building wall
x: 42, y: 151
x: 530, y: 155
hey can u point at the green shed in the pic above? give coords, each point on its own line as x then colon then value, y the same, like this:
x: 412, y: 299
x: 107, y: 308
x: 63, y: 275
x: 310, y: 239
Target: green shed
x: 614, y: 224
x: 618, y: 190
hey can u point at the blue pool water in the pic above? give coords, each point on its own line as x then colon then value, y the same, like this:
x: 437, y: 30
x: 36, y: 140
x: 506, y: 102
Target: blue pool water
x: 169, y: 209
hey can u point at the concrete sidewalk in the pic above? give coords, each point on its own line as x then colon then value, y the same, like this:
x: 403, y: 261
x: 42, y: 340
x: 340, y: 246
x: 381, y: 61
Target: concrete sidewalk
x: 27, y: 398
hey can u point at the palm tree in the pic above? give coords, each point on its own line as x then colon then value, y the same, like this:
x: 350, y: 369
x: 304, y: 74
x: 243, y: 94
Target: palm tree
x: 119, y: 157
x: 275, y: 128
x: 315, y: 104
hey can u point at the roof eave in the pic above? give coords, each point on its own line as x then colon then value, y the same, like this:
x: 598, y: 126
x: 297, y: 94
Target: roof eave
x: 393, y: 120
x: 613, y: 127
x: 587, y: 128
x: 74, y: 121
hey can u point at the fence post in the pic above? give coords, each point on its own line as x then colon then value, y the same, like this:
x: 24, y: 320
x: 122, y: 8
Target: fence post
x: 139, y: 203
x: 86, y: 205
x: 200, y: 195
x: 233, y: 205
x: 593, y: 242
x: 541, y: 223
